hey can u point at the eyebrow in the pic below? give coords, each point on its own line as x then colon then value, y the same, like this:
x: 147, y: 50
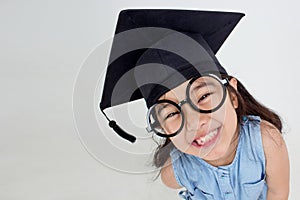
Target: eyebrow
x: 203, y: 84
x: 163, y: 107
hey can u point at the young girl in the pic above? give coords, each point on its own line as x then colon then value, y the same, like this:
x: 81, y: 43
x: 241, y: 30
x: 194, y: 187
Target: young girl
x: 235, y: 152
x: 219, y: 142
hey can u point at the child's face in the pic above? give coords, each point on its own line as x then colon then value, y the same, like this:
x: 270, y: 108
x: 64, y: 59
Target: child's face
x: 207, y: 135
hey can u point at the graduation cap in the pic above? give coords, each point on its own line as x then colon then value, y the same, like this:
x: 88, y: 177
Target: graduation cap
x: 155, y: 50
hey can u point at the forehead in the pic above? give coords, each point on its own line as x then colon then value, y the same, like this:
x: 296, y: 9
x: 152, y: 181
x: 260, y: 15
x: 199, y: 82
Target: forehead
x: 176, y: 94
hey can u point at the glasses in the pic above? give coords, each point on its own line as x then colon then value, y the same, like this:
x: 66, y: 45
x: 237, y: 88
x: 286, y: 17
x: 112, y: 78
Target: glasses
x: 205, y: 94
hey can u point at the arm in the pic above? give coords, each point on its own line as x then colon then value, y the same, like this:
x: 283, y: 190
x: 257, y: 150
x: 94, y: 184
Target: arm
x: 167, y: 175
x: 277, y: 162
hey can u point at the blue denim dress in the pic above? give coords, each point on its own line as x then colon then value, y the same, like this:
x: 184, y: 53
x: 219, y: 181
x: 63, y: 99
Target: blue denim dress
x: 243, y: 179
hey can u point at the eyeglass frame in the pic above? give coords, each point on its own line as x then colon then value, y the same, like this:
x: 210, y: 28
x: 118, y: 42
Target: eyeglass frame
x: 224, y: 82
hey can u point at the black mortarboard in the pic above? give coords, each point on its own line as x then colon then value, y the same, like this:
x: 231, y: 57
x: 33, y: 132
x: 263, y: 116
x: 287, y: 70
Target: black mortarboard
x: 155, y: 50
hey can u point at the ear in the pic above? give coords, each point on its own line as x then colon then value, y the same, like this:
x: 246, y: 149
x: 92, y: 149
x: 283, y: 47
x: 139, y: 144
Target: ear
x: 234, y: 100
x: 233, y: 83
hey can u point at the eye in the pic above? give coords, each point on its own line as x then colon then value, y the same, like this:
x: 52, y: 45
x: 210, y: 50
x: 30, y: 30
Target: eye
x: 171, y: 115
x: 203, y: 97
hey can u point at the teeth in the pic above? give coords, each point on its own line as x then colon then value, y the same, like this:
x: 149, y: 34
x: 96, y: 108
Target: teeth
x: 207, y: 138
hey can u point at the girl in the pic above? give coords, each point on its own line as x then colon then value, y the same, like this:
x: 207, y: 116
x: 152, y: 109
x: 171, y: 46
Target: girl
x: 219, y: 142
x: 235, y: 152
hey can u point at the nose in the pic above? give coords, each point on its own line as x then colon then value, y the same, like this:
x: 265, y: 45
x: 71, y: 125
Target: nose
x: 194, y: 120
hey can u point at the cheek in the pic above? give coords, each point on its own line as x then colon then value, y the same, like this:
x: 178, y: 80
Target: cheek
x: 180, y: 142
x: 220, y: 115
x: 230, y: 121
x: 226, y: 116
x: 226, y: 113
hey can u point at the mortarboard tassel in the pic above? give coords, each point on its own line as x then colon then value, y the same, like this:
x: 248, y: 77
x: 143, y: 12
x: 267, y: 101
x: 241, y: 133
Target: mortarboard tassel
x: 119, y: 130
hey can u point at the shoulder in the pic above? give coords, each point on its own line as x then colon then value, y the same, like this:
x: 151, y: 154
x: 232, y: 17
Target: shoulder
x: 271, y: 137
x: 275, y: 150
x: 277, y: 161
x: 168, y: 176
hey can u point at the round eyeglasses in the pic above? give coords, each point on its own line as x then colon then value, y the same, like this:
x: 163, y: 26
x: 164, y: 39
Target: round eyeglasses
x: 205, y: 94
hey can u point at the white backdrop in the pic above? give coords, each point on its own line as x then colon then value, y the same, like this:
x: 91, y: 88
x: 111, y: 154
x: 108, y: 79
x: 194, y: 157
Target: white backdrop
x: 44, y: 45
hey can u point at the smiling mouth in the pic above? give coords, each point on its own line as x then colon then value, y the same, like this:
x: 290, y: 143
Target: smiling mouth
x: 207, y: 138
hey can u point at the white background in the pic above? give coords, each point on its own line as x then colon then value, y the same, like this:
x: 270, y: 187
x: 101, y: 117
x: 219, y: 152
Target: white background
x: 43, y: 45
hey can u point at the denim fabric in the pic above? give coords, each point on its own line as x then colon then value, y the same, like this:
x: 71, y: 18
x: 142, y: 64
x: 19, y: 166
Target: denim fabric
x: 243, y: 179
